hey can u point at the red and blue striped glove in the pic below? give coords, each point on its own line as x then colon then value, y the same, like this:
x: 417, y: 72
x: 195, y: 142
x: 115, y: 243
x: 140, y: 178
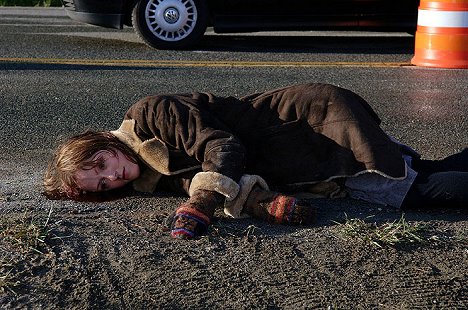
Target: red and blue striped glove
x: 192, y: 218
x: 189, y: 222
x: 278, y: 208
x: 289, y: 210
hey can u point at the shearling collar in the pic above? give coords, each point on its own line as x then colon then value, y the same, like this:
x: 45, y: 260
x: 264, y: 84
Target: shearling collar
x: 153, y: 153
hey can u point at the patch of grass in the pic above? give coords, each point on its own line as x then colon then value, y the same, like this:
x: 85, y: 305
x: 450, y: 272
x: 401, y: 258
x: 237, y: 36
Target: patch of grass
x: 8, y: 283
x: 19, y: 239
x: 28, y: 234
x: 222, y: 228
x: 38, y: 3
x: 396, y: 232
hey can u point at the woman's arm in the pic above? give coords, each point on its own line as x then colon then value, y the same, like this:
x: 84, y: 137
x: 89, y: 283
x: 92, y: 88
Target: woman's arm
x: 193, y: 217
x: 190, y: 131
x: 186, y: 126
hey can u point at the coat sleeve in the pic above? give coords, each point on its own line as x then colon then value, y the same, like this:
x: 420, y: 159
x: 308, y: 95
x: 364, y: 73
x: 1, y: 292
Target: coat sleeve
x: 188, y: 128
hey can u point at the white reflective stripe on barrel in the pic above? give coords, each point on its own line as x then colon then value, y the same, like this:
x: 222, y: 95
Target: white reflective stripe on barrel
x: 453, y: 19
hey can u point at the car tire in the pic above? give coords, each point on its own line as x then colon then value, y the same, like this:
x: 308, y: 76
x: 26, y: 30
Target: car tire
x: 170, y: 24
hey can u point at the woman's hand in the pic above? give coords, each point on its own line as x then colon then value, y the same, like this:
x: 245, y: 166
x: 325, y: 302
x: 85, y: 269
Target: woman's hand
x: 192, y: 218
x: 278, y: 208
x: 188, y: 222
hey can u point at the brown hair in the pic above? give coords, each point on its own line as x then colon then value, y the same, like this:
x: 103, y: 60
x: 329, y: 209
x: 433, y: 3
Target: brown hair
x: 75, y: 154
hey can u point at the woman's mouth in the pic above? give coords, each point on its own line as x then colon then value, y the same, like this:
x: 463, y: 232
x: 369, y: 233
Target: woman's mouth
x: 123, y: 174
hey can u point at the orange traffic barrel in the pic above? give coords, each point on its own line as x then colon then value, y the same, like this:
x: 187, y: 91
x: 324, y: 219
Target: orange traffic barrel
x: 442, y: 35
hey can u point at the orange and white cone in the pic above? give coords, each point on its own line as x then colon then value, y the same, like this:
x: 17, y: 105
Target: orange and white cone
x: 442, y: 35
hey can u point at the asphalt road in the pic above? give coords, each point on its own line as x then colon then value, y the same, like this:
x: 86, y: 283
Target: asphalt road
x: 59, y: 77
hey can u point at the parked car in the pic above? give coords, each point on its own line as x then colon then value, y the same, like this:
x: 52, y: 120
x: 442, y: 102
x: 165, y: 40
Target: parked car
x: 177, y: 24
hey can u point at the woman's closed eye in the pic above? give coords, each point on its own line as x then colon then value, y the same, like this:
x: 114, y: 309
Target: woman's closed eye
x: 102, y: 184
x: 101, y: 164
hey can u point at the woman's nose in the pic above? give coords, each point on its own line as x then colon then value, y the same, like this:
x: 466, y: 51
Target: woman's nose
x: 112, y: 177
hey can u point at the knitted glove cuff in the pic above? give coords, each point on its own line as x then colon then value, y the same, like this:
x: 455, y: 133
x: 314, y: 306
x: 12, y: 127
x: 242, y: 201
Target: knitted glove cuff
x: 293, y: 211
x: 282, y: 209
x: 189, y: 222
x: 189, y: 210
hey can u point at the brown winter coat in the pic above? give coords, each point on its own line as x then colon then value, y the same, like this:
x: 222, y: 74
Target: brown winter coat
x: 294, y: 135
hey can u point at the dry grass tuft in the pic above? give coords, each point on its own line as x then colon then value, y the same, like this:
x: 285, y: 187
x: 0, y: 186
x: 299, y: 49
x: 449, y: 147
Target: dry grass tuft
x: 22, y: 238
x: 8, y: 282
x: 396, y: 232
x: 28, y: 234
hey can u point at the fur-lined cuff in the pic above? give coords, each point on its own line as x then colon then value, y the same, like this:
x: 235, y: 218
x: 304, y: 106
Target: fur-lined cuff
x: 234, y: 207
x: 214, y: 181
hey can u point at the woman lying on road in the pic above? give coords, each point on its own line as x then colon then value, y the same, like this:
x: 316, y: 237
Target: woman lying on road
x: 245, y: 154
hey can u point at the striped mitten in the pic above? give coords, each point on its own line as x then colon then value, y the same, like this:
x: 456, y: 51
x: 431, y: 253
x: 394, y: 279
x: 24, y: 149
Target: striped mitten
x: 189, y: 222
x: 278, y: 208
x: 192, y: 218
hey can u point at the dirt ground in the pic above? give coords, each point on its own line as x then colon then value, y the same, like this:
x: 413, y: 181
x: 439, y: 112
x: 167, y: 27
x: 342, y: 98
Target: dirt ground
x: 119, y: 255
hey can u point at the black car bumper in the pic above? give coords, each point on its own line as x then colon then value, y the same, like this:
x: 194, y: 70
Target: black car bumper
x: 96, y: 12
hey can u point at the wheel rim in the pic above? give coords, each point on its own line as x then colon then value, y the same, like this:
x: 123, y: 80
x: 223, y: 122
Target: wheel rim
x: 171, y: 20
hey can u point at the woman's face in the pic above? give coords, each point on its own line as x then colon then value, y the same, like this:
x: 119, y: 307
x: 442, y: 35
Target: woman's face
x: 110, y: 172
